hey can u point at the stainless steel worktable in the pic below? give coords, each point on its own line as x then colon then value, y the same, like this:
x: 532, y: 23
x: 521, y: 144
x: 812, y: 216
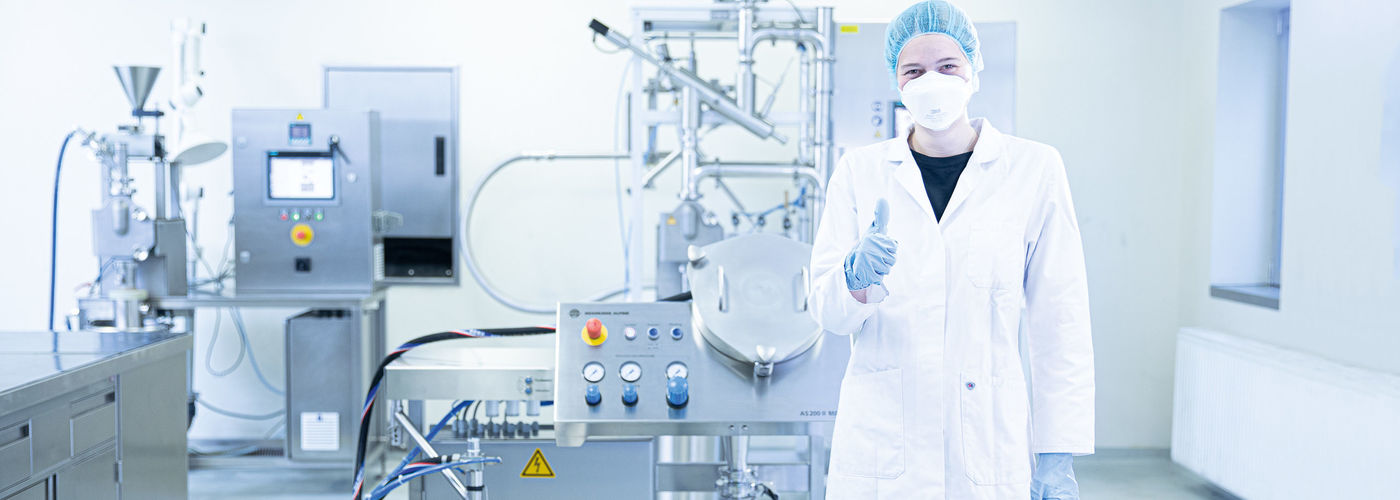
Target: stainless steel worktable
x: 77, y: 406
x: 39, y: 365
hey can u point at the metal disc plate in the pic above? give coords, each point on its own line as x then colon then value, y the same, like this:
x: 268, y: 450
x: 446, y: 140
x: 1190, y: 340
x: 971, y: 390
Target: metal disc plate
x: 750, y: 297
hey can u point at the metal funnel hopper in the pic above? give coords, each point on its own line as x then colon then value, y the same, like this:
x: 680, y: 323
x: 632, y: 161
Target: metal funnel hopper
x: 137, y: 82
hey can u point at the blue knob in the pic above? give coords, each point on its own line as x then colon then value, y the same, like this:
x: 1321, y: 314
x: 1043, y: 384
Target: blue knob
x: 629, y: 394
x: 592, y: 395
x: 677, y: 392
x: 653, y: 333
x: 676, y: 333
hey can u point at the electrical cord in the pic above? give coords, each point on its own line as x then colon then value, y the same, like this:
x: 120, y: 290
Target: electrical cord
x: 365, y: 419
x: 380, y: 492
x: 429, y: 437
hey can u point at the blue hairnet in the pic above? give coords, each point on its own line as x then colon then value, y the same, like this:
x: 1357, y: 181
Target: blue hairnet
x: 932, y: 16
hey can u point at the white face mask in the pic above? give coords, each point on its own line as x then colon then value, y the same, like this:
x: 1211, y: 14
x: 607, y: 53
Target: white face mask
x: 937, y: 100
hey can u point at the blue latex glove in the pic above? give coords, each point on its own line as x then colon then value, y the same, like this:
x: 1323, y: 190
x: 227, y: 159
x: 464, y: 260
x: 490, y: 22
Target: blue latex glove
x: 1053, y: 478
x: 870, y: 261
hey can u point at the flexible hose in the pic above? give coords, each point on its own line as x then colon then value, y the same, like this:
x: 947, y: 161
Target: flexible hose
x: 53, y: 227
x: 470, y: 205
x: 366, y: 415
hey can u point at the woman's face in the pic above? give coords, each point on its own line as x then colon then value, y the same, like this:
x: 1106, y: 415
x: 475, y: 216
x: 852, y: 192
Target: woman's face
x: 932, y: 52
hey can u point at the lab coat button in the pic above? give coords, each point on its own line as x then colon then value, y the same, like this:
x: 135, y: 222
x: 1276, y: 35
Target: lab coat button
x: 971, y: 385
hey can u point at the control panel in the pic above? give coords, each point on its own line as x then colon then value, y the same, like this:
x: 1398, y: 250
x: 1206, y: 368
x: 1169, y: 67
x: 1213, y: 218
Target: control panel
x: 305, y: 201
x: 635, y: 369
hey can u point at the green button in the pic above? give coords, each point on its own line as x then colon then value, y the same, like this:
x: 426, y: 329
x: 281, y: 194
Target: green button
x: 296, y: 215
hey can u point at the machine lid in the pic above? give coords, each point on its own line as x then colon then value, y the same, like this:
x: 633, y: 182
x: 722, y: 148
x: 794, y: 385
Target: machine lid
x: 750, y: 297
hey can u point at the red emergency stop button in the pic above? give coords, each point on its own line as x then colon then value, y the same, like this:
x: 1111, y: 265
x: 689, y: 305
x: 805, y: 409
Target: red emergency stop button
x: 302, y: 235
x: 594, y: 333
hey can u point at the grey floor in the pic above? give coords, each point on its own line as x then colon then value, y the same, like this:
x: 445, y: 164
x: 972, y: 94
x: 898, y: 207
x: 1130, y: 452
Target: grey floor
x: 1108, y: 475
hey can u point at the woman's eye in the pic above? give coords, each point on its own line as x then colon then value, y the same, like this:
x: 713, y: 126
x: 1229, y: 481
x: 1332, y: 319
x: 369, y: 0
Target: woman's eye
x: 948, y: 68
x: 912, y: 72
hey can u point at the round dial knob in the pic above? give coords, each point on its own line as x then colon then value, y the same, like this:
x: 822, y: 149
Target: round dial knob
x: 677, y: 369
x: 592, y: 396
x: 630, y: 371
x: 629, y: 394
x: 594, y: 372
x: 677, y: 392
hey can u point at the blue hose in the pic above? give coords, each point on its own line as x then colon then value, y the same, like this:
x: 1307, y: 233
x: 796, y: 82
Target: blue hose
x: 53, y: 228
x: 431, y: 433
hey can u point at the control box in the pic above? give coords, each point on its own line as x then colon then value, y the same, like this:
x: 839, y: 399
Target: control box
x: 639, y: 369
x: 304, y: 201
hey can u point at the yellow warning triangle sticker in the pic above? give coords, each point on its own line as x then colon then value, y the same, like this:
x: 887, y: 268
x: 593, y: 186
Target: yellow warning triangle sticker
x: 299, y: 117
x: 537, y: 466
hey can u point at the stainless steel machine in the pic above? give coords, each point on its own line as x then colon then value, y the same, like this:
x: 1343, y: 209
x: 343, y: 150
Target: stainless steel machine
x: 418, y: 132
x: 742, y: 358
x: 141, y: 251
x: 306, y: 203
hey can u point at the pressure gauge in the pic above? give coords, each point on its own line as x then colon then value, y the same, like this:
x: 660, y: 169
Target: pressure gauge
x: 677, y: 369
x: 593, y: 372
x: 630, y: 371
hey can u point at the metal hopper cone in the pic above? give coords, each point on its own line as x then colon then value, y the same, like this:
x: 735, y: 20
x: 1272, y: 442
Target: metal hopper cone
x: 137, y: 82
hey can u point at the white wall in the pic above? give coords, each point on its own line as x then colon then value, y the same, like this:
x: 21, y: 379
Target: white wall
x: 1339, y: 216
x: 1099, y: 79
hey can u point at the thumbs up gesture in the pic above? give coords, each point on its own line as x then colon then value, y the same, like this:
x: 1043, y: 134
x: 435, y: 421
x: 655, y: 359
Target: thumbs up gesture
x: 871, y: 259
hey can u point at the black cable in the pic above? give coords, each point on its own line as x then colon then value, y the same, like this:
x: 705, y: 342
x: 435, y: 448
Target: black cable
x: 680, y: 297
x: 367, y: 414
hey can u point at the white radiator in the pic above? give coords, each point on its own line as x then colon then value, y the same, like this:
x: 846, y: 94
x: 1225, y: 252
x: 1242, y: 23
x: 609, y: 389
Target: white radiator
x: 1264, y: 422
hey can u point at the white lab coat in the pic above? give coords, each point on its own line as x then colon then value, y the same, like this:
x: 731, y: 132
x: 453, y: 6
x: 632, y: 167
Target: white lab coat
x: 935, y: 403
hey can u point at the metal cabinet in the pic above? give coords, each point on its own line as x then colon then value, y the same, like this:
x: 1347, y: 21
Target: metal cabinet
x: 418, y: 162
x: 93, y: 416
x: 39, y: 491
x: 91, y: 479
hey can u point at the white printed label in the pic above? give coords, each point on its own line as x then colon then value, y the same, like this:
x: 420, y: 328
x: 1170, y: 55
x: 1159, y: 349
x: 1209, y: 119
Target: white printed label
x: 320, y: 431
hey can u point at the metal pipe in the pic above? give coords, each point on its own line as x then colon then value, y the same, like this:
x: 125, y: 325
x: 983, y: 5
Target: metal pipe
x: 160, y: 182
x: 826, y: 29
x: 807, y: 172
x: 688, y: 35
x: 717, y: 99
x: 690, y: 144
x: 412, y: 431
x: 795, y: 34
x: 661, y: 166
x: 744, y: 81
x: 804, y: 104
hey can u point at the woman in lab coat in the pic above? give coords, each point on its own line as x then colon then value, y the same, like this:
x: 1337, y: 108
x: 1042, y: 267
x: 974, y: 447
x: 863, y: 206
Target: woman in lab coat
x: 930, y: 246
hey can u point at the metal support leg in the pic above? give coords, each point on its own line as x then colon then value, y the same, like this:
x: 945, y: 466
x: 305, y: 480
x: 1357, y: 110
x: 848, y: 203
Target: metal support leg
x: 412, y: 431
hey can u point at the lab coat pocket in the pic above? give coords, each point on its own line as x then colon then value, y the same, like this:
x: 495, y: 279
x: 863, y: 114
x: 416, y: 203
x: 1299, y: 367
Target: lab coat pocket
x: 995, y: 258
x: 995, y: 438
x: 869, y: 437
